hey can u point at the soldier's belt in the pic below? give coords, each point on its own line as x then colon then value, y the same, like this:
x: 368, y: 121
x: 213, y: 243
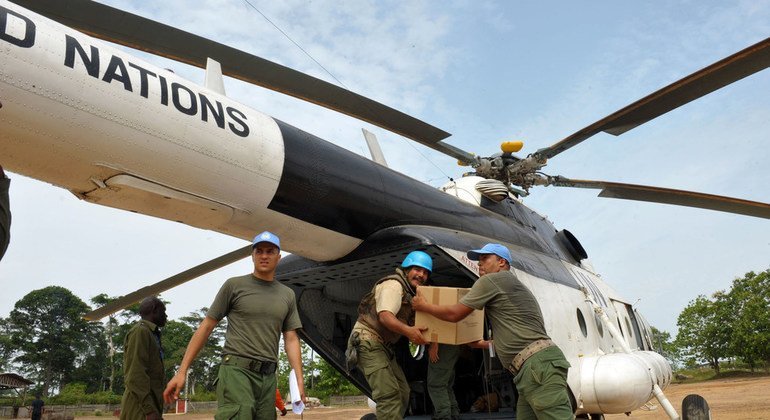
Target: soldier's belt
x: 529, y: 351
x: 258, y: 366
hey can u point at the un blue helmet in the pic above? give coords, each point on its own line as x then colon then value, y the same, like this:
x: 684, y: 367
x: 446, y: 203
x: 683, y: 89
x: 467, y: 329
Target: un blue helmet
x: 418, y: 259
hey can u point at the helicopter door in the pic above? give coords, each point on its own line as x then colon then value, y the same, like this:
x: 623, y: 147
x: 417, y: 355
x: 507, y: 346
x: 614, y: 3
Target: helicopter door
x: 628, y: 324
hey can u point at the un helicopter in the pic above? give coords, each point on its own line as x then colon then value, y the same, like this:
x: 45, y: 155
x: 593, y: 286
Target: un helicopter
x: 343, y: 231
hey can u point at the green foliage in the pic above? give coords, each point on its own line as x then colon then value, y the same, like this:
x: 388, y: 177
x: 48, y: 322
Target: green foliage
x: 47, y: 329
x: 705, y: 329
x: 750, y: 299
x: 175, y: 337
x: 71, y: 394
x: 331, y: 382
x: 736, y: 323
x: 204, y: 369
x: 667, y: 346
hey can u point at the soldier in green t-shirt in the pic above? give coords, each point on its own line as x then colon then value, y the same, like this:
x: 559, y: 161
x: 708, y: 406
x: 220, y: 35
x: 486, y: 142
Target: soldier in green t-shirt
x: 520, y: 340
x: 258, y: 310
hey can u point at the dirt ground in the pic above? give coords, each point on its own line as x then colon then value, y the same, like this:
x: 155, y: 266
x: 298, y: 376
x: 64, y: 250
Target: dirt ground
x: 729, y: 399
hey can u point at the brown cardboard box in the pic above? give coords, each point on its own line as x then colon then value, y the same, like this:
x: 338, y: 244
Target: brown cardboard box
x: 468, y: 330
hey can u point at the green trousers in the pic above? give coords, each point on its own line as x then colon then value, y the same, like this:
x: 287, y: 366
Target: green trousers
x: 542, y: 386
x: 244, y: 395
x: 389, y: 387
x: 441, y: 379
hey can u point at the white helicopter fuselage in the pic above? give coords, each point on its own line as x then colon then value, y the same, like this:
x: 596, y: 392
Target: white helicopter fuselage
x: 118, y: 131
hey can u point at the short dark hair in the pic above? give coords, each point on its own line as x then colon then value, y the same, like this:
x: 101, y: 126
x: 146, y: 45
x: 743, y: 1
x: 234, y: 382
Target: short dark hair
x: 148, y: 305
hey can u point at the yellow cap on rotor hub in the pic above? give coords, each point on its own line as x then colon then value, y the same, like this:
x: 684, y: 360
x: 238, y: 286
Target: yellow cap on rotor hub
x: 511, y: 146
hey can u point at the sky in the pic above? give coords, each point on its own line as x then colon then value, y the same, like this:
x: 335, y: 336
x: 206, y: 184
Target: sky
x: 487, y: 72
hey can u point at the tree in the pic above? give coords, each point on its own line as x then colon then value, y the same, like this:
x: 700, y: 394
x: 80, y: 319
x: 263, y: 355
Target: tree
x: 175, y: 336
x: 205, y: 368
x: 750, y: 298
x: 705, y: 329
x: 331, y: 382
x: 47, y: 328
x: 109, y: 331
x: 667, y: 346
x: 6, y: 347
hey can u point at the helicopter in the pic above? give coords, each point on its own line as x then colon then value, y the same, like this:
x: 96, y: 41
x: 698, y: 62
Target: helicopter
x: 338, y: 239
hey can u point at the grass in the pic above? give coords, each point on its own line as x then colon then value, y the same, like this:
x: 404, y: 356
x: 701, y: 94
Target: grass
x: 708, y: 374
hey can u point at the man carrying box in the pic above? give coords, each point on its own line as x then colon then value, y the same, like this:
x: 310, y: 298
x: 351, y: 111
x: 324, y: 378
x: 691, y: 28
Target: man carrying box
x: 520, y: 340
x: 384, y: 315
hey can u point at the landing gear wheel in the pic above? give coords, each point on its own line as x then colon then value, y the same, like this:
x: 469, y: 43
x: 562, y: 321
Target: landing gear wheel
x: 695, y: 407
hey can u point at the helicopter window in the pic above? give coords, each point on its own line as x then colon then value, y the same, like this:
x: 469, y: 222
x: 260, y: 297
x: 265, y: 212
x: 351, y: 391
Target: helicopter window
x: 630, y: 330
x: 582, y: 323
x: 599, y: 326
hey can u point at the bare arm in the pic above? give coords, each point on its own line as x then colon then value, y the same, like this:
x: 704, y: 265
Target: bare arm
x: 294, y: 354
x: 452, y: 313
x: 197, y: 342
x: 414, y: 334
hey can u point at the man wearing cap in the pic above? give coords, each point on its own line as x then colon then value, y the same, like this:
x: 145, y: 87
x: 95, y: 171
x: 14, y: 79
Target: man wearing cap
x: 384, y: 315
x: 258, y: 310
x: 520, y: 340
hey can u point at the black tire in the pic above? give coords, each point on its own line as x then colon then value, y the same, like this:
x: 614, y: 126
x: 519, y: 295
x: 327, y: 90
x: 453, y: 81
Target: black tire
x: 695, y: 407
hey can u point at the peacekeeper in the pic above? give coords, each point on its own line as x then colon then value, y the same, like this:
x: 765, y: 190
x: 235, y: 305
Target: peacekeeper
x: 258, y: 310
x: 384, y: 315
x: 520, y: 340
x: 441, y: 380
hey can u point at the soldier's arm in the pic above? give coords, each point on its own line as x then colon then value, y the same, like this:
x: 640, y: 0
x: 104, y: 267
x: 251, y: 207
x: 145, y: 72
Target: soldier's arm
x: 414, y: 334
x: 197, y: 342
x: 452, y: 313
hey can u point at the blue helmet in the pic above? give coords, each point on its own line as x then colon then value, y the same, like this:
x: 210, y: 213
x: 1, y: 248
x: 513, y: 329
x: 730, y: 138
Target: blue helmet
x: 418, y: 259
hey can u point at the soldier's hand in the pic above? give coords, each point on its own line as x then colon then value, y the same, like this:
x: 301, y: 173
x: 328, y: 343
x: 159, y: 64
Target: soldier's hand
x: 152, y: 416
x: 415, y: 335
x: 433, y: 352
x: 175, y: 385
x: 418, y: 301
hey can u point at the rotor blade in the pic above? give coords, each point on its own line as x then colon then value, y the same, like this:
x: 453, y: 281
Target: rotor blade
x: 720, y: 74
x: 669, y: 196
x: 115, y: 25
x: 168, y: 283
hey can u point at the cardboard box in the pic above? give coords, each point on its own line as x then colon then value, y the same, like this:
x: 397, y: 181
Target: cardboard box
x: 468, y: 330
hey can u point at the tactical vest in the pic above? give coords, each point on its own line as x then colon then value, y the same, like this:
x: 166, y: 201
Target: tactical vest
x: 367, y: 309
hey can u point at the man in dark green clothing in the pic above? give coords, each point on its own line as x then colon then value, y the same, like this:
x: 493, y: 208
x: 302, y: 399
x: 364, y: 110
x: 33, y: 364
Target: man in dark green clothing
x: 520, y: 340
x: 5, y: 213
x: 441, y: 379
x: 143, y: 364
x: 258, y: 310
